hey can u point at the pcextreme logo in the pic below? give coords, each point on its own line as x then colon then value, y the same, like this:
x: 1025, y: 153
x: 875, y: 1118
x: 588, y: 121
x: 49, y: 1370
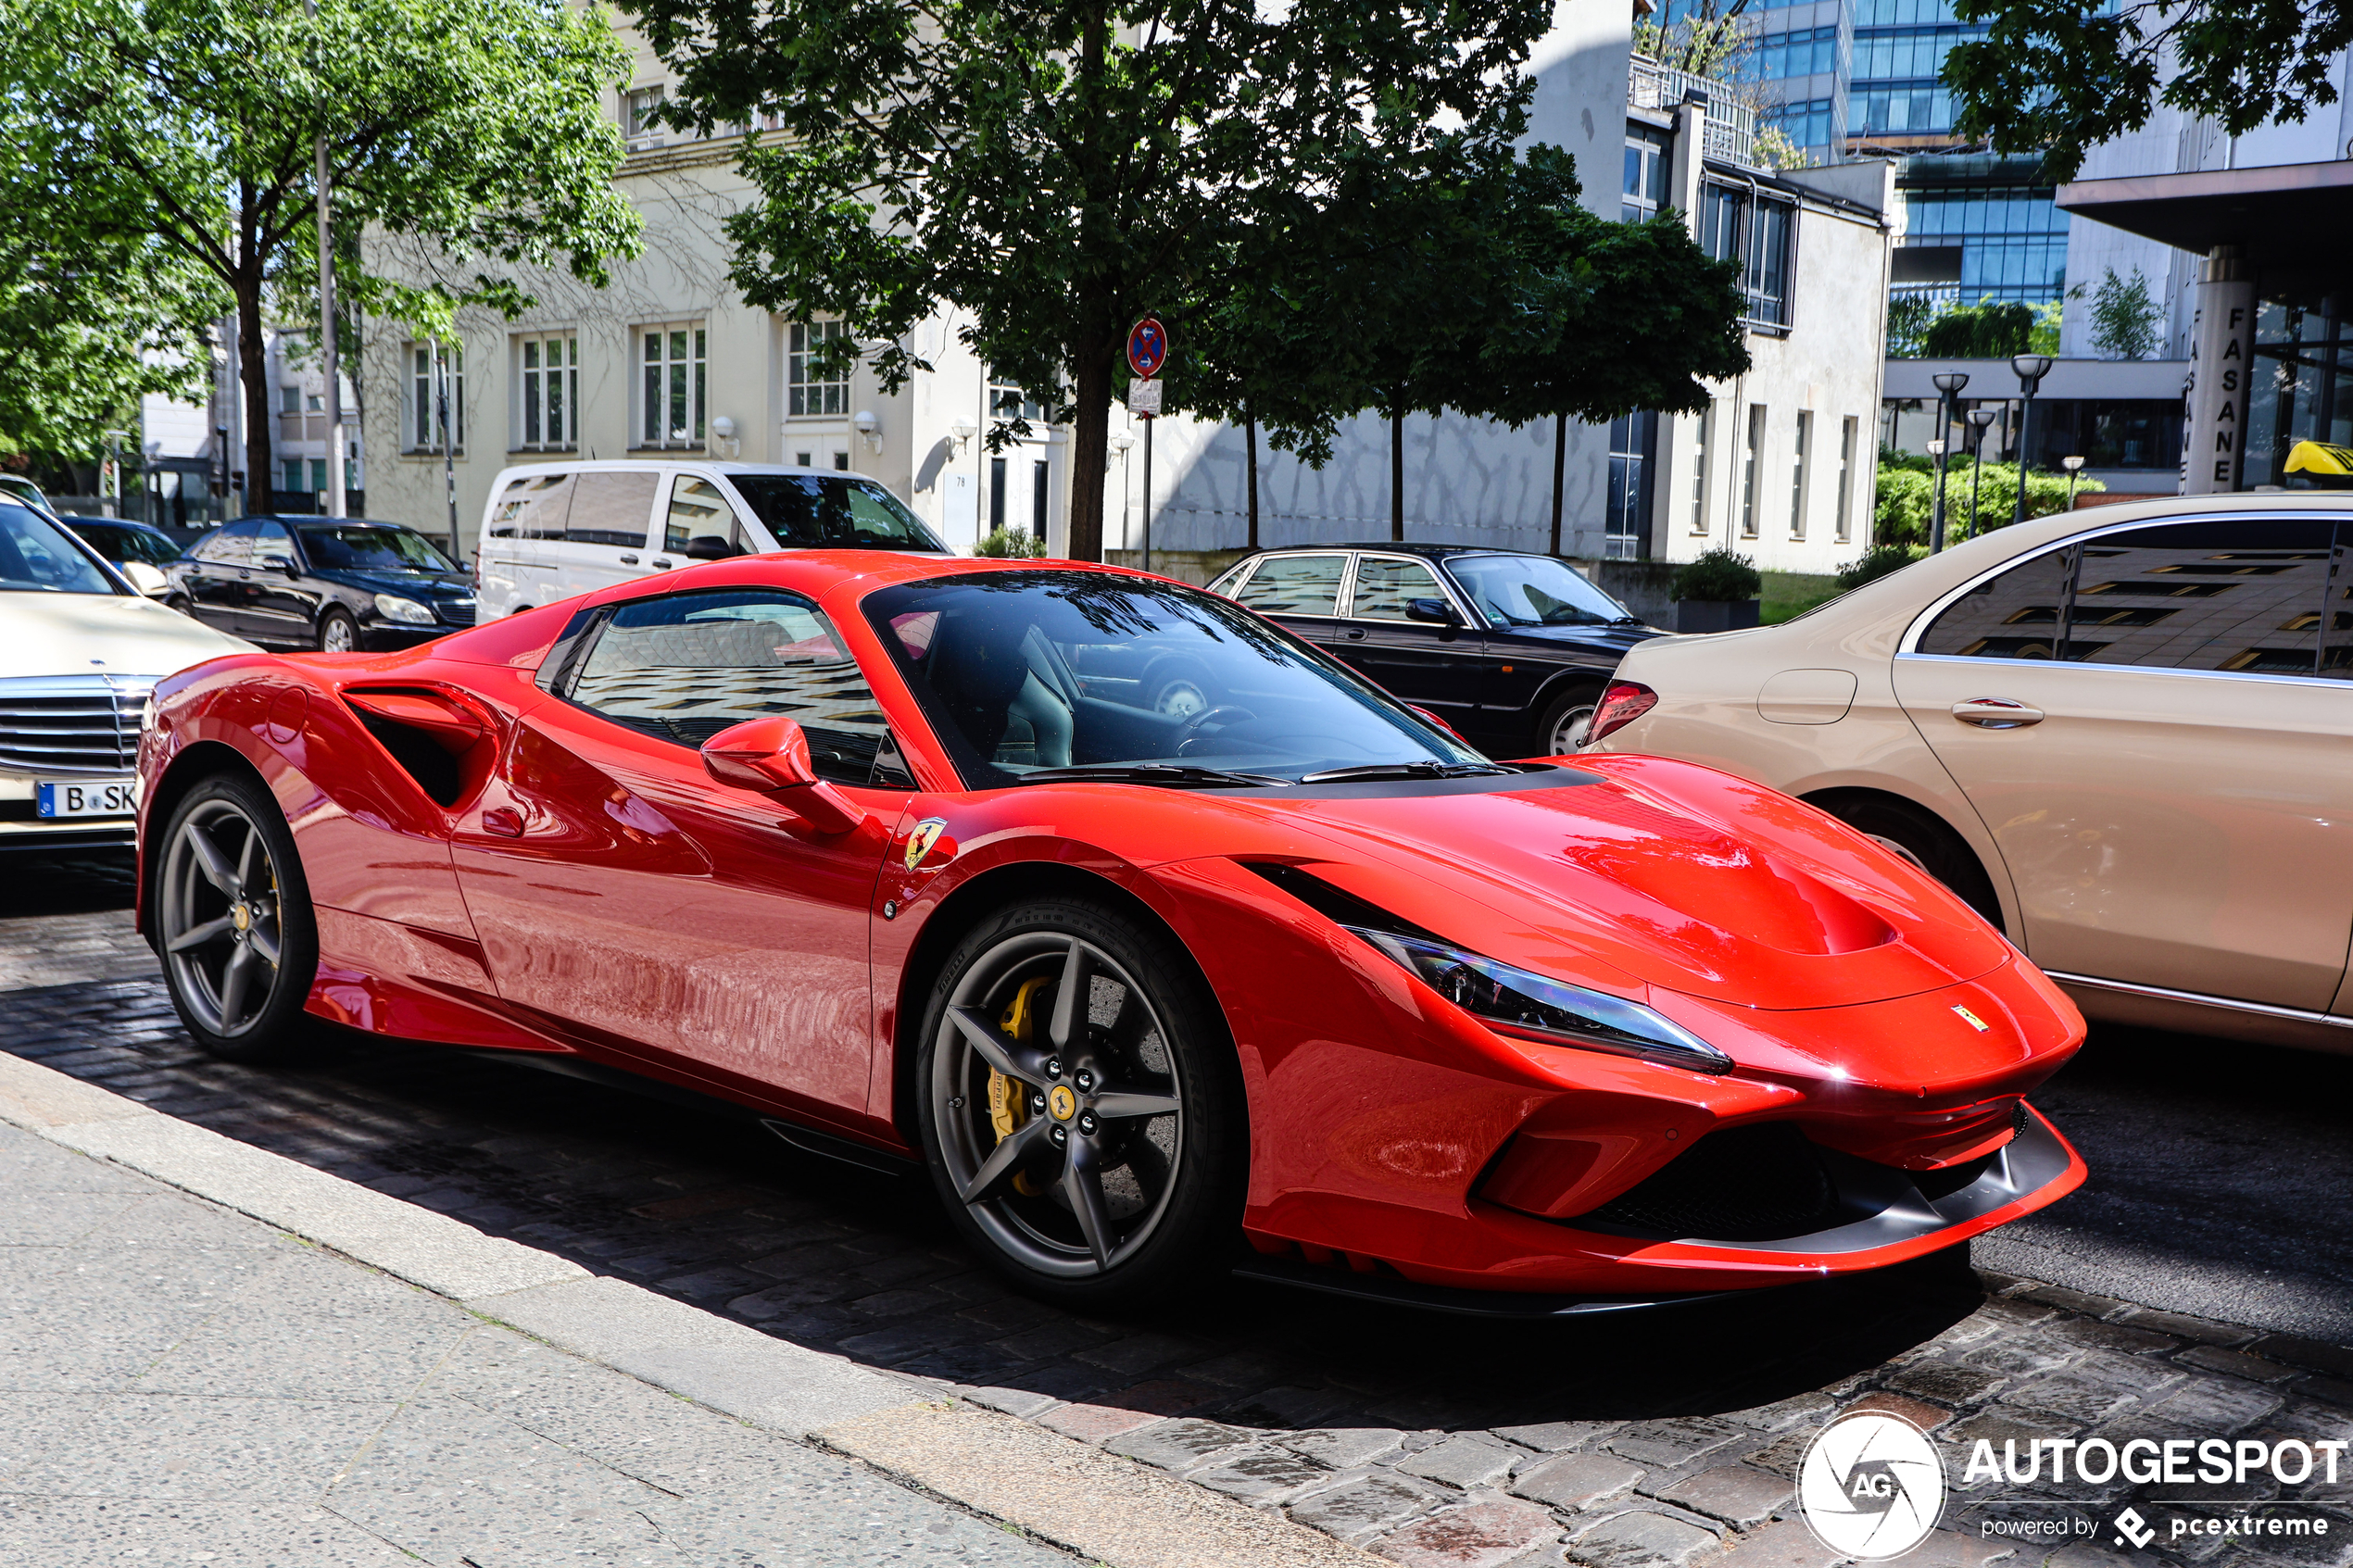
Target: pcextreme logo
x: 1871, y: 1486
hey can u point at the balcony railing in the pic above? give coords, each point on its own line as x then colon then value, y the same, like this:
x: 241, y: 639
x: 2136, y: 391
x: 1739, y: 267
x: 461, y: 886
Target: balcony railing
x: 1731, y: 125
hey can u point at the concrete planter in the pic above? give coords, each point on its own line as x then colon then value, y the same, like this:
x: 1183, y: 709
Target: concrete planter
x: 1716, y: 615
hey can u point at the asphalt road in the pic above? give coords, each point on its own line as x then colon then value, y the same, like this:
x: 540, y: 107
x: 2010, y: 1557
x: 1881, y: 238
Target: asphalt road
x: 2220, y: 1172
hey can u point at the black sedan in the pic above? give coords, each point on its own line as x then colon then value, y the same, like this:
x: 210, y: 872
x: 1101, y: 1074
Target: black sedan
x: 1512, y: 650
x: 330, y: 583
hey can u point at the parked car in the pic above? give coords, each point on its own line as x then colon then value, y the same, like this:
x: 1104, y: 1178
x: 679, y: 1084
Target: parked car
x: 2122, y: 735
x: 78, y: 651
x: 335, y: 584
x: 139, y: 552
x: 551, y: 531
x: 853, y: 844
x: 1512, y: 650
x: 16, y: 487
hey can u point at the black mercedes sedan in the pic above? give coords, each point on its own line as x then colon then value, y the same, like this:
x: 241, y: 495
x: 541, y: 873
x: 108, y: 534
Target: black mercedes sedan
x: 1512, y: 650
x: 330, y: 583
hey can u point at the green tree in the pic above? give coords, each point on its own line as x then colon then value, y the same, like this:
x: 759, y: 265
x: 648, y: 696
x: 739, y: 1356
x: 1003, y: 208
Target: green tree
x: 2058, y: 77
x: 1706, y: 39
x: 1052, y: 170
x: 1988, y: 330
x: 2124, y: 319
x: 477, y: 125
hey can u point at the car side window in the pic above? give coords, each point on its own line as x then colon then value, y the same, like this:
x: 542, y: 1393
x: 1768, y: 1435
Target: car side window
x: 1230, y: 578
x: 2021, y: 613
x: 1295, y: 585
x: 683, y: 667
x: 2247, y: 597
x: 271, y: 539
x: 611, y: 510
x: 1384, y: 585
x: 231, y: 546
x: 533, y: 506
x: 697, y: 510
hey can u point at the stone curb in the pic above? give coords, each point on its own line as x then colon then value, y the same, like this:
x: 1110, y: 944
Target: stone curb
x: 1111, y: 1509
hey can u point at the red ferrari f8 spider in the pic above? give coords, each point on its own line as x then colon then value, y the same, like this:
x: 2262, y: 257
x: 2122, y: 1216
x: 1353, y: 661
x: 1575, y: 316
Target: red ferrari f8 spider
x: 1140, y: 922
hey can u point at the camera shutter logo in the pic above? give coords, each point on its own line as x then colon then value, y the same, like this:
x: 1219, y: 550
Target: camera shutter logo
x: 1871, y: 1486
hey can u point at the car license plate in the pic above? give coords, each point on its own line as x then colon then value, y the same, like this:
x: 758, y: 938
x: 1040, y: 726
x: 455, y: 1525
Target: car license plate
x: 87, y: 798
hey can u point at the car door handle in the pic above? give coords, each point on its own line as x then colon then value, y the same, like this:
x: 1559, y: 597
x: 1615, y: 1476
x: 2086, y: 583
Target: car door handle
x: 629, y: 560
x: 503, y: 821
x: 1353, y: 633
x: 661, y: 563
x: 1996, y: 713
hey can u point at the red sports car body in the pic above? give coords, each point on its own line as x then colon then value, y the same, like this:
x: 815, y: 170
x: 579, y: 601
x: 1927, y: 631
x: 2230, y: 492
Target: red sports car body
x: 938, y: 861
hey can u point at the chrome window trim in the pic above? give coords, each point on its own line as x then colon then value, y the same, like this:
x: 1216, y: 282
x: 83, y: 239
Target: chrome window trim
x: 1347, y: 581
x: 1907, y: 647
x: 1472, y: 620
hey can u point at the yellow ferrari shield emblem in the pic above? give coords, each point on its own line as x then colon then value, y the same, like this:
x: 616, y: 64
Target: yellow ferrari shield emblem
x: 919, y: 842
x: 1972, y: 1020
x: 1061, y: 1102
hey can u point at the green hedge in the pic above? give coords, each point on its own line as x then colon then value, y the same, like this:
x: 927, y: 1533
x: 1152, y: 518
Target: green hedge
x: 1907, y: 483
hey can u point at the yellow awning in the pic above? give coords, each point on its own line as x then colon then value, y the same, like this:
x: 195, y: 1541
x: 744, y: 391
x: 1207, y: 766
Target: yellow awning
x: 2318, y: 456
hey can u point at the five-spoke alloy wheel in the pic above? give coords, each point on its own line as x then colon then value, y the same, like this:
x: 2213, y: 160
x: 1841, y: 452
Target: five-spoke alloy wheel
x: 1080, y: 1103
x: 232, y: 919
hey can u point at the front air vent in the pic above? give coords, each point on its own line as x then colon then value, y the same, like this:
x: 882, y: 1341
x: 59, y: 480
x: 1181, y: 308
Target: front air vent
x: 1758, y: 1182
x: 1339, y: 907
x: 436, y: 741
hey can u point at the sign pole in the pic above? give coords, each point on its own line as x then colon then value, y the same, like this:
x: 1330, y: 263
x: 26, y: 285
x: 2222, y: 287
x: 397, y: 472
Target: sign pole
x: 1149, y: 422
x: 1147, y: 357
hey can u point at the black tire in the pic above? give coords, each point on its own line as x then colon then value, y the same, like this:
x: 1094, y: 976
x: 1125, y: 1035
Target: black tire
x: 1567, y: 718
x: 1166, y: 1185
x: 181, y: 603
x: 337, y: 632
x: 1923, y: 838
x: 220, y: 913
x: 1179, y: 688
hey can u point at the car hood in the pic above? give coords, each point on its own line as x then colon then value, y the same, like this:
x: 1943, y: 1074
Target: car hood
x: 1661, y: 873
x: 408, y: 584
x: 102, y: 634
x: 1618, y: 638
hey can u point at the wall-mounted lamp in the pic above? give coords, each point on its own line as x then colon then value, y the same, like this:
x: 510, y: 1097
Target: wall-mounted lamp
x: 963, y: 430
x: 869, y: 427
x: 723, y: 437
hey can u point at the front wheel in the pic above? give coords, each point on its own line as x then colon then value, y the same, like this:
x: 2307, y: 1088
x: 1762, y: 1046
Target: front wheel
x: 1081, y: 1107
x: 233, y: 921
x: 1568, y: 720
x: 337, y: 632
x: 1923, y: 838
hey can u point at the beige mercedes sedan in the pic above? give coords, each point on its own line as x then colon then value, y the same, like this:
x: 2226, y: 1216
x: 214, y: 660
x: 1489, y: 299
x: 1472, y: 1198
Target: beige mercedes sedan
x: 2124, y: 736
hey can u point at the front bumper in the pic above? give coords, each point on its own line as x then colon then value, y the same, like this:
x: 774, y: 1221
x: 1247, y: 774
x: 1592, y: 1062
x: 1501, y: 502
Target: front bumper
x: 390, y: 636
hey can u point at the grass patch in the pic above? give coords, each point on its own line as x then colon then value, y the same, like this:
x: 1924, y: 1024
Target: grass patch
x: 1790, y: 594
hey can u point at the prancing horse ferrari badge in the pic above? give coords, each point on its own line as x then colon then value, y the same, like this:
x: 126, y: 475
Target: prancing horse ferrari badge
x: 919, y: 842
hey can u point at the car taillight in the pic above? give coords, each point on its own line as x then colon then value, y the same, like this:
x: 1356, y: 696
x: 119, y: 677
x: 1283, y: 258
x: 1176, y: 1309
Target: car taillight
x: 1621, y: 705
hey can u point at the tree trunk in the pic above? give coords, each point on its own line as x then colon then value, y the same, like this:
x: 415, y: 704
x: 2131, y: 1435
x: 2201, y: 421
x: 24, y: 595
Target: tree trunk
x: 1397, y: 477
x: 1090, y: 455
x: 1250, y: 438
x: 253, y: 372
x: 1560, y: 468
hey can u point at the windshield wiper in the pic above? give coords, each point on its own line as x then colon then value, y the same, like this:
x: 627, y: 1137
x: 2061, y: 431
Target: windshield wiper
x: 1404, y: 771
x: 1148, y: 773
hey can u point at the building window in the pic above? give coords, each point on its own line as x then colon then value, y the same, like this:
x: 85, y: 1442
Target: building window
x: 671, y: 393
x: 548, y: 378
x: 435, y: 378
x: 1844, y: 523
x: 1626, y: 517
x: 1798, y: 455
x: 637, y: 116
x: 293, y: 475
x: 315, y: 403
x: 1645, y: 182
x: 1008, y: 402
x: 1757, y: 234
x: 1038, y: 495
x: 809, y: 390
x: 1800, y: 52
x: 290, y: 400
x: 1751, y: 469
x: 1703, y: 445
x: 318, y: 475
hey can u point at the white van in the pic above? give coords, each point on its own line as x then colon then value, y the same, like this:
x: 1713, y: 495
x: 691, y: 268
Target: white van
x: 554, y: 529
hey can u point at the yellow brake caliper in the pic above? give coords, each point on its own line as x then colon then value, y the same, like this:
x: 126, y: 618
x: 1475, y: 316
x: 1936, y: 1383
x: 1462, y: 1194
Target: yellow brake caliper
x: 1008, y: 1101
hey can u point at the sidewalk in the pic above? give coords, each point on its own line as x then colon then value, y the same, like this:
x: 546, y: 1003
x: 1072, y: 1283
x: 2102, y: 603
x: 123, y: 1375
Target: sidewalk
x: 179, y: 1384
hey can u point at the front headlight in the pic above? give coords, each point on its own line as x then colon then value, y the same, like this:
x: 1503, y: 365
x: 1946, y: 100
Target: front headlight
x: 392, y: 607
x: 147, y: 714
x: 1530, y: 1006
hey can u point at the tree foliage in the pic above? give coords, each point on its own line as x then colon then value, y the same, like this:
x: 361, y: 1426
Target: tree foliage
x: 2058, y: 77
x: 188, y: 127
x: 1902, y: 509
x: 2124, y: 318
x: 1989, y: 329
x: 1280, y: 184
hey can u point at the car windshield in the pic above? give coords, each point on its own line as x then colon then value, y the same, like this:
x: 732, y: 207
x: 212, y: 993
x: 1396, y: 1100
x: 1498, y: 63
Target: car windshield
x: 371, y: 547
x: 811, y: 511
x: 1027, y: 671
x: 1533, y: 591
x: 36, y: 556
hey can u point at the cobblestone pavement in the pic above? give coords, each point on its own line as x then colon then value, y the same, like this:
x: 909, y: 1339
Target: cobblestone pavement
x: 1653, y: 1442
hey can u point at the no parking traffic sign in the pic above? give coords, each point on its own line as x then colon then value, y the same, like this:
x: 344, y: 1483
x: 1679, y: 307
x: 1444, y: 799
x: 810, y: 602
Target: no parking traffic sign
x: 1147, y: 347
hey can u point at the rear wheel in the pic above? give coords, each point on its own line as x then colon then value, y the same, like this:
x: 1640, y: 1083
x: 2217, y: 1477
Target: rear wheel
x: 1566, y: 722
x: 233, y: 918
x: 337, y: 632
x: 1923, y: 838
x: 1080, y: 1106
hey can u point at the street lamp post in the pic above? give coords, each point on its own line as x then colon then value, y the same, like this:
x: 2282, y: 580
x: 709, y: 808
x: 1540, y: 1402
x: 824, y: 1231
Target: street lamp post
x: 2074, y: 467
x: 1979, y: 418
x: 1949, y: 387
x: 2031, y: 369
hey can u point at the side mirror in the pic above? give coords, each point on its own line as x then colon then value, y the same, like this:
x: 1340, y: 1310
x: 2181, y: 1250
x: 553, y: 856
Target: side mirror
x: 145, y: 578
x: 772, y: 755
x: 1436, y: 611
x: 277, y: 563
x: 710, y: 547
